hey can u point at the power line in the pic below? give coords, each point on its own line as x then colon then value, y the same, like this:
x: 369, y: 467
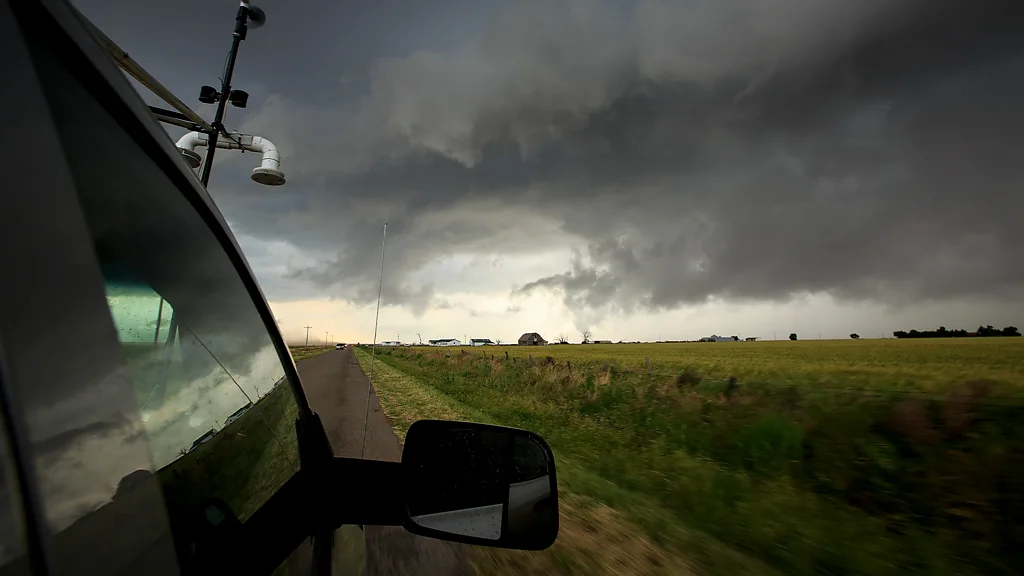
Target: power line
x: 307, y: 334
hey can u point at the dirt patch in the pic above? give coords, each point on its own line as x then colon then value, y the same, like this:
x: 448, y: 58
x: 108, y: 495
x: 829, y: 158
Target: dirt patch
x: 592, y: 539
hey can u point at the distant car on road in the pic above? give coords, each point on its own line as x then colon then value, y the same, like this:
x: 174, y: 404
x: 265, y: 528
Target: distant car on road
x: 339, y: 346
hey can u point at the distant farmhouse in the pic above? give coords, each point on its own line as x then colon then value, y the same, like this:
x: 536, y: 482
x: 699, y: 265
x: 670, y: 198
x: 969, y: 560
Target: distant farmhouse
x: 751, y: 339
x: 480, y: 342
x: 714, y: 338
x: 532, y: 339
x: 445, y: 342
x: 601, y: 342
x: 391, y: 343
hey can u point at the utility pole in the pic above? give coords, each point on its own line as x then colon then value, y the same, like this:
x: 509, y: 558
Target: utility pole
x: 307, y: 334
x: 325, y: 338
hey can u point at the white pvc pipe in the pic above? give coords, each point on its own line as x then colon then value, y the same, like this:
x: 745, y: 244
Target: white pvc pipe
x: 191, y: 140
x: 235, y: 141
x: 271, y: 155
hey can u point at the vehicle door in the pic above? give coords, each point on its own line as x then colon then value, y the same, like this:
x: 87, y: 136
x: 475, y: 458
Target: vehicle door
x: 176, y: 415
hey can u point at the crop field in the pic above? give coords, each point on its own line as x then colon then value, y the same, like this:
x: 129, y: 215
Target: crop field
x: 815, y: 457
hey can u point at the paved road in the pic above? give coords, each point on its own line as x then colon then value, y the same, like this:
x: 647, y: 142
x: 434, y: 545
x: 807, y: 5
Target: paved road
x: 336, y: 389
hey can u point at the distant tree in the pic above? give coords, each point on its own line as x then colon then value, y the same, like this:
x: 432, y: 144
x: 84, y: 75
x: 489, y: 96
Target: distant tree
x: 987, y: 331
x: 562, y: 339
x: 943, y: 332
x: 497, y: 341
x: 855, y: 336
x: 586, y: 336
x: 792, y: 336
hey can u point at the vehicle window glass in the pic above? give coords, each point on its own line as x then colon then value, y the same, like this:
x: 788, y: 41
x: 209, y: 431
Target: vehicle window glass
x: 187, y: 399
x: 12, y: 545
x: 215, y: 406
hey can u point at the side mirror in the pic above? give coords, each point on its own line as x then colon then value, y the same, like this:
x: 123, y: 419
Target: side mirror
x: 480, y: 484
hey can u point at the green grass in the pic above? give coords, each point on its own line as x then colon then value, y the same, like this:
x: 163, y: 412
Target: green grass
x: 593, y: 537
x: 870, y: 457
x: 303, y: 352
x: 869, y: 364
x: 244, y: 464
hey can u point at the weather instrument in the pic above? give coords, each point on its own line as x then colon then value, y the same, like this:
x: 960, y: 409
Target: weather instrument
x: 211, y: 135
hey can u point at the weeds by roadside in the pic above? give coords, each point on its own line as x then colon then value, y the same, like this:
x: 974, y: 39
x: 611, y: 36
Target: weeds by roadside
x: 805, y: 480
x: 303, y: 352
x: 596, y: 535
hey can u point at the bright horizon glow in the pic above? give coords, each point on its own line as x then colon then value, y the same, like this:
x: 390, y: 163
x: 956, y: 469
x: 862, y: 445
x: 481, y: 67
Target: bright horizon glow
x: 544, y: 313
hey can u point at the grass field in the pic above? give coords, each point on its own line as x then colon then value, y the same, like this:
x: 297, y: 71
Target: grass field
x: 819, y: 457
x: 303, y: 352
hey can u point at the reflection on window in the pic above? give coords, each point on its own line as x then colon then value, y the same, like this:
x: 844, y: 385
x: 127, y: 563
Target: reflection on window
x: 11, y: 544
x: 214, y: 408
x: 192, y: 406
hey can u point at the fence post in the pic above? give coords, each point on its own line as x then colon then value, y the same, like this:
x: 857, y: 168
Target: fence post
x: 531, y: 360
x: 506, y: 355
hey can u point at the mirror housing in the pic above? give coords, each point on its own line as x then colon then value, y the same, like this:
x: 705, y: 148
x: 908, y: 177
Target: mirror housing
x: 480, y: 484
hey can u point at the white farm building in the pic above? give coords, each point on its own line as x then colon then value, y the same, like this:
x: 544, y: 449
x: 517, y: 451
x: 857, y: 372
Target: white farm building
x: 445, y: 342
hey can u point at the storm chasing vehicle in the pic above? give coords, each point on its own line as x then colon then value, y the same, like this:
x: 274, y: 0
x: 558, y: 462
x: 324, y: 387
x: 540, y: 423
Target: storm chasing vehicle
x: 175, y: 436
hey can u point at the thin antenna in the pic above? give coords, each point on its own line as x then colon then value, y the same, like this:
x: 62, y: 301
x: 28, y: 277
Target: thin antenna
x: 373, y: 349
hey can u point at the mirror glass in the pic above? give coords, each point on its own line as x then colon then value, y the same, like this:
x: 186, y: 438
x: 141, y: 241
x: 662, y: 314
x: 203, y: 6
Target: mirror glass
x: 480, y: 484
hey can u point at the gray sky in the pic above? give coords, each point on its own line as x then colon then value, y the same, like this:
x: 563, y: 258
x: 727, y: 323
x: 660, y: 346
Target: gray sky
x: 639, y: 168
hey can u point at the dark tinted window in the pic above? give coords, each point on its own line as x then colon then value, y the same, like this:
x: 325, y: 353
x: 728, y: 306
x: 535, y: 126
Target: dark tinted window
x: 12, y: 545
x: 214, y: 406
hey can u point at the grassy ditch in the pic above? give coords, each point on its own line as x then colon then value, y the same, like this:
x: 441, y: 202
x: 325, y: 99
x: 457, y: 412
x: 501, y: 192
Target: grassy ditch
x: 303, y: 352
x: 855, y: 469
x: 604, y: 528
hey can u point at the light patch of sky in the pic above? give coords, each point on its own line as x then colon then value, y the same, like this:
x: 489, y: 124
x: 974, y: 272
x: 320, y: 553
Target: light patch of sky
x: 136, y: 311
x: 472, y: 315
x: 489, y: 315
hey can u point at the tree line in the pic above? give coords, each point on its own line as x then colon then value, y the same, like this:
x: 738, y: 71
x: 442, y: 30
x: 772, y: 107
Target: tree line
x: 942, y: 332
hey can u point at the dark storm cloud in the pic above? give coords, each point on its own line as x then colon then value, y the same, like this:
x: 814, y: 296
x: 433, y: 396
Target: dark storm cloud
x: 746, y: 149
